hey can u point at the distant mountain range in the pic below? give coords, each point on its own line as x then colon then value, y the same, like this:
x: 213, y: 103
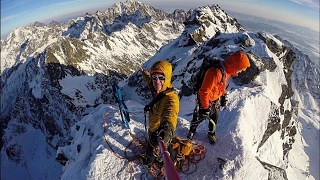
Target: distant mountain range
x: 52, y: 75
x: 303, y: 38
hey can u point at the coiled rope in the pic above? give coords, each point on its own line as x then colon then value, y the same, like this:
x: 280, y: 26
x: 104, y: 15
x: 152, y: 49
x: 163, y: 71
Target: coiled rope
x: 185, y: 164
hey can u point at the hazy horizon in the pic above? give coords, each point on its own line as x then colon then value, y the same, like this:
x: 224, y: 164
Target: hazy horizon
x: 16, y: 14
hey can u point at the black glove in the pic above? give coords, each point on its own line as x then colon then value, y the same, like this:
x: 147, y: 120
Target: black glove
x: 146, y: 108
x: 165, y: 132
x: 223, y: 101
x: 204, y: 114
x: 153, y: 139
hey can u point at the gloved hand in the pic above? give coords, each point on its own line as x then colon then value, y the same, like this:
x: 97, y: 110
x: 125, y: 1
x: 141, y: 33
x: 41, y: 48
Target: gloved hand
x: 165, y: 132
x: 153, y: 139
x: 147, y: 108
x: 204, y: 113
x: 223, y: 101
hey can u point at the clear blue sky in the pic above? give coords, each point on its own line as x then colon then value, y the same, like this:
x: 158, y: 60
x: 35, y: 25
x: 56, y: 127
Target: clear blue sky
x: 16, y: 13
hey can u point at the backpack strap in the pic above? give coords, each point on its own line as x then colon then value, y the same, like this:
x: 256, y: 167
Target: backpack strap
x: 207, y: 64
x: 222, y: 68
x: 223, y: 72
x: 158, y: 97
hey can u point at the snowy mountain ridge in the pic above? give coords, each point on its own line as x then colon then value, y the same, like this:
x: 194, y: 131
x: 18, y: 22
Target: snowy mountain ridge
x: 56, y: 95
x: 104, y: 33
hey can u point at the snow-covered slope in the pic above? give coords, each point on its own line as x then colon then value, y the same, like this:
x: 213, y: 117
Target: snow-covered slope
x: 56, y: 100
x: 126, y: 33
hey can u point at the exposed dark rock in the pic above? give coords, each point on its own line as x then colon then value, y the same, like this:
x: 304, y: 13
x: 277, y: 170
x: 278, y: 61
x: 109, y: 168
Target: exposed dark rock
x: 272, y: 45
x: 288, y: 58
x: 62, y: 159
x: 273, y: 124
x: 249, y: 75
x: 185, y: 90
x: 274, y: 171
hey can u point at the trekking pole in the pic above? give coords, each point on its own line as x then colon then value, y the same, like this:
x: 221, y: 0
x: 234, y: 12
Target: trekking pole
x: 170, y: 170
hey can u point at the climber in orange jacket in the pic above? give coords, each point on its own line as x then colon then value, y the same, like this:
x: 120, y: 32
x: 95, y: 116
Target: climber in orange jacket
x: 212, y: 93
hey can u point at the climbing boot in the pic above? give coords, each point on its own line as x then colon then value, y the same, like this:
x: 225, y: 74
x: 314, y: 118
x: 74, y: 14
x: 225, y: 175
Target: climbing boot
x: 212, y: 138
x: 190, y: 135
x: 147, y: 161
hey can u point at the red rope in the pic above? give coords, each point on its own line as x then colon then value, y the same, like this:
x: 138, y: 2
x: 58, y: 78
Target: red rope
x: 197, y: 154
x: 137, y: 146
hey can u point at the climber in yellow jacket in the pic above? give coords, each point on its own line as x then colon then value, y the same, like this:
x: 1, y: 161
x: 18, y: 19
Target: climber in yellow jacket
x: 163, y: 115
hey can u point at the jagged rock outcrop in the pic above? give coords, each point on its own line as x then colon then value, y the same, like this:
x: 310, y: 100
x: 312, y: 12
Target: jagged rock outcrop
x: 207, y: 21
x: 307, y: 78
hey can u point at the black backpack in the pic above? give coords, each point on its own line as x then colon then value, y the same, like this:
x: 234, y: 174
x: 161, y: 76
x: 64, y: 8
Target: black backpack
x: 206, y: 64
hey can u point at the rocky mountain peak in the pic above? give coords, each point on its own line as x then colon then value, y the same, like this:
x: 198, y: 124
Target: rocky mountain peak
x: 131, y: 6
x: 203, y: 23
x: 54, y: 75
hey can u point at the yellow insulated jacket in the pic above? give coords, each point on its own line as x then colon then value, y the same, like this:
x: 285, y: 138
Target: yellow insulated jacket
x: 167, y: 108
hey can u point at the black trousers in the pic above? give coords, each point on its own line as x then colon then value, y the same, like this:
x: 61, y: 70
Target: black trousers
x: 214, y: 117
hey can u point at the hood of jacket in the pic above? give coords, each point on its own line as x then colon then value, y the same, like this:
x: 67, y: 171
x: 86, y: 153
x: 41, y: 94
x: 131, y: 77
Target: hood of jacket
x: 165, y: 68
x: 236, y: 62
